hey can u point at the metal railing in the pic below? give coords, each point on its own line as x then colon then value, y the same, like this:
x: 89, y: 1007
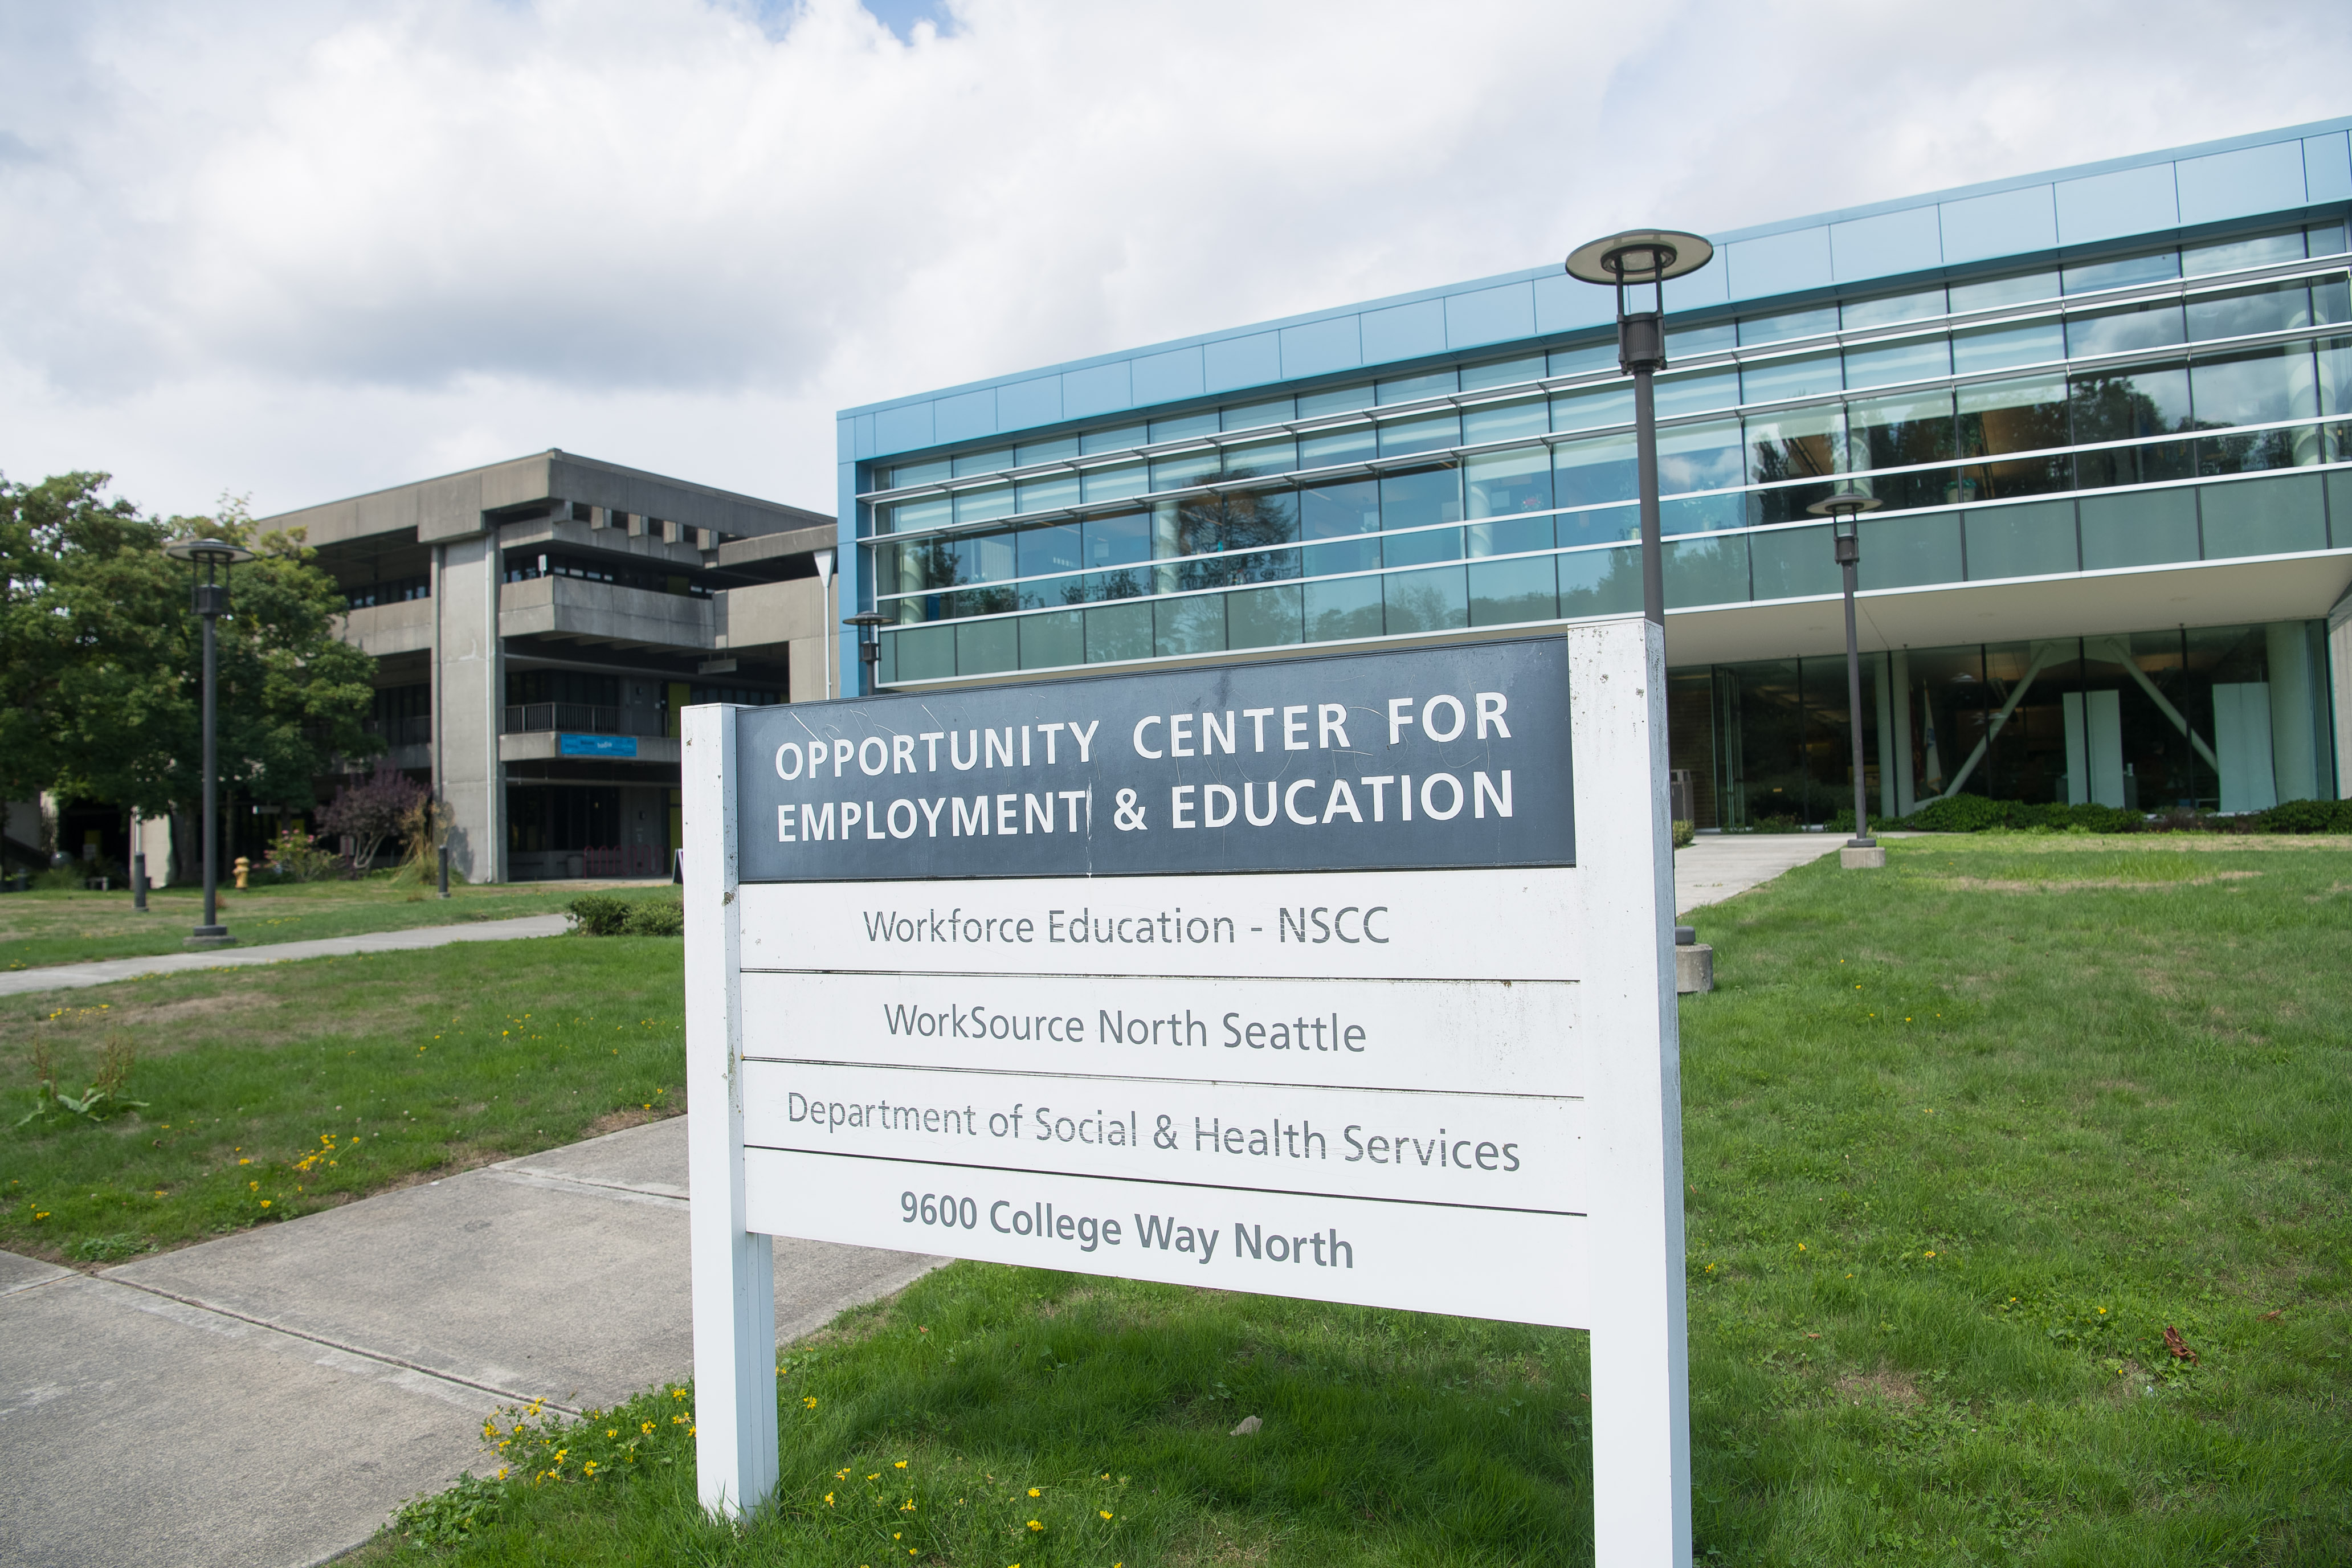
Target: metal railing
x: 582, y: 717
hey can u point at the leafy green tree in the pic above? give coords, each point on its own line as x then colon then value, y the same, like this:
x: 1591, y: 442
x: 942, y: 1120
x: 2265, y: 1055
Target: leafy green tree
x: 100, y: 657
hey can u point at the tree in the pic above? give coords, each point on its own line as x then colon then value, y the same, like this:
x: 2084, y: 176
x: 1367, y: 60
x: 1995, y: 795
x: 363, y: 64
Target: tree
x: 372, y: 809
x: 100, y: 657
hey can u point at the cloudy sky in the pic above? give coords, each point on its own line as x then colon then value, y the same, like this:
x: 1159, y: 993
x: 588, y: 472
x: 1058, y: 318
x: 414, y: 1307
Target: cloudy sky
x: 301, y: 249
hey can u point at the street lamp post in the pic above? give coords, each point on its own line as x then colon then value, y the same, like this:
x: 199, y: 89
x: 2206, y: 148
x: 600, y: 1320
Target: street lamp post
x: 1844, y: 508
x: 869, y: 624
x: 1638, y: 259
x: 211, y: 559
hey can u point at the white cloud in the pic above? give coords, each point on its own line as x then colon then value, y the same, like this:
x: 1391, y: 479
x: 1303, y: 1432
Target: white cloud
x: 305, y: 249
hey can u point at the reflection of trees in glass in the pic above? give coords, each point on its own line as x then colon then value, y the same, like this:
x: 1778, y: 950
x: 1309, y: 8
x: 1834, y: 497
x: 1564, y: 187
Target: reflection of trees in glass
x: 2125, y: 407
x: 1898, y: 434
x: 1218, y: 524
x: 1776, y: 455
x: 2031, y: 423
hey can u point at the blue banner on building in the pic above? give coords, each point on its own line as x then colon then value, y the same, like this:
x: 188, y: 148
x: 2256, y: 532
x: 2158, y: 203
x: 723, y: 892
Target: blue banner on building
x: 1415, y: 760
x: 596, y: 745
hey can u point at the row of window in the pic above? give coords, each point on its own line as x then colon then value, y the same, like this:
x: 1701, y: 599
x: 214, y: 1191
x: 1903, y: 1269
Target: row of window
x: 2122, y: 329
x: 1987, y: 441
x: 2277, y: 515
x: 388, y: 591
x: 2236, y: 388
x: 2102, y: 720
x: 523, y: 566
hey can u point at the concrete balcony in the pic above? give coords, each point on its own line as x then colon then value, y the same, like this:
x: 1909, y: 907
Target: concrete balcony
x: 604, y: 612
x: 383, y: 629
x: 567, y: 745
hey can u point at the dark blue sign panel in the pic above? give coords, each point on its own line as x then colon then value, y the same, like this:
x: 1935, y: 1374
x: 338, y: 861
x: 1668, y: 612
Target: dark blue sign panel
x: 1427, y: 758
x: 596, y: 745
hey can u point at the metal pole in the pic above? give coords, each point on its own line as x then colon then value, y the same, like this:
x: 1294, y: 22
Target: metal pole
x: 139, y: 881
x: 445, y: 871
x: 1645, y: 462
x: 211, y: 823
x: 1854, y: 710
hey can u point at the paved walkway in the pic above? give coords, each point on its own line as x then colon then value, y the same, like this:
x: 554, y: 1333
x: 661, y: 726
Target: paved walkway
x: 268, y: 1398
x: 105, y: 972
x: 1720, y: 865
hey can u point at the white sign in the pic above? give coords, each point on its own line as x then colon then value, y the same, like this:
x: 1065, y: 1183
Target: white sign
x: 1347, y: 979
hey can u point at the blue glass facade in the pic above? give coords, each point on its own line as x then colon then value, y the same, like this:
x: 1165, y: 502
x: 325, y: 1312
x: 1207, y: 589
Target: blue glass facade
x: 2110, y: 375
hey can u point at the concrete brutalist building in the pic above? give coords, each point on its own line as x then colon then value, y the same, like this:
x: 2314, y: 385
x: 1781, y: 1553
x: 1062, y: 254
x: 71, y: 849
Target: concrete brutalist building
x: 538, y: 624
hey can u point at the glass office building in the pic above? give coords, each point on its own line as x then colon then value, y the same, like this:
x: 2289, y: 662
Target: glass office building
x: 2108, y: 413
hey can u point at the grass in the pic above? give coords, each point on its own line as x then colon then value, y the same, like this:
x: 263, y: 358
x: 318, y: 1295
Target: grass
x: 1964, y: 1139
x: 39, y: 929
x: 276, y: 1091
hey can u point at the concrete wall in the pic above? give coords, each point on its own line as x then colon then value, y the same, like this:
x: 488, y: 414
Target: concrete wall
x: 382, y: 629
x: 468, y: 699
x: 794, y: 614
x: 566, y: 606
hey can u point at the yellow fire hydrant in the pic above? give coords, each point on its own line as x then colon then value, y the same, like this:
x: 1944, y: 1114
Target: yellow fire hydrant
x: 243, y: 865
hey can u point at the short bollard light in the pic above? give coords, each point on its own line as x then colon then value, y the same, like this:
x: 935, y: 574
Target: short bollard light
x: 1843, y: 508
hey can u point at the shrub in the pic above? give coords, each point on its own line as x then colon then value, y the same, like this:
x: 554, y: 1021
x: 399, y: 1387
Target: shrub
x: 604, y: 914
x: 1685, y: 835
x: 371, y: 810
x: 299, y: 856
x: 59, y: 880
x: 2306, y: 816
x: 659, y: 916
x: 598, y: 914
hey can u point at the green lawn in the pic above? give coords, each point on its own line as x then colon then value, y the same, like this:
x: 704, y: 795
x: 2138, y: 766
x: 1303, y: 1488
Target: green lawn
x: 41, y: 928
x: 275, y: 1090
x: 1964, y: 1139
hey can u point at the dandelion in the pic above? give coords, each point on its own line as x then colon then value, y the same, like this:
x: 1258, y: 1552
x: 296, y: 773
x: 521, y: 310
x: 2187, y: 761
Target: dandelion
x: 1035, y: 1526
x: 1103, y: 1511
x: 1931, y: 1255
x: 899, y: 1466
x: 1035, y: 1492
x: 875, y: 1477
x: 1800, y: 1247
x: 264, y: 1203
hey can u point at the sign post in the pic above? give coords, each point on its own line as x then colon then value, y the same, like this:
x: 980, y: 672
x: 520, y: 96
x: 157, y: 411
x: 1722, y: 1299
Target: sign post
x: 1348, y: 979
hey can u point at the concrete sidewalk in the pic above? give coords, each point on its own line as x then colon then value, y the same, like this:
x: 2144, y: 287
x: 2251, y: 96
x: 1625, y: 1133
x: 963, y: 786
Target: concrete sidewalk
x: 105, y: 972
x: 1719, y: 866
x: 268, y: 1398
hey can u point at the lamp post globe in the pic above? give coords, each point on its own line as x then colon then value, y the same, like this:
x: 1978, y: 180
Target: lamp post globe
x: 869, y: 624
x: 211, y: 559
x: 1843, y: 506
x: 1630, y: 262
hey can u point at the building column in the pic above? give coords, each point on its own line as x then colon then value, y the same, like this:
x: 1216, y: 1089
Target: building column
x: 467, y: 704
x: 2339, y: 683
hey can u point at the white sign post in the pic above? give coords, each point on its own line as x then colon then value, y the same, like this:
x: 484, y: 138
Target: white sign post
x: 1348, y: 979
